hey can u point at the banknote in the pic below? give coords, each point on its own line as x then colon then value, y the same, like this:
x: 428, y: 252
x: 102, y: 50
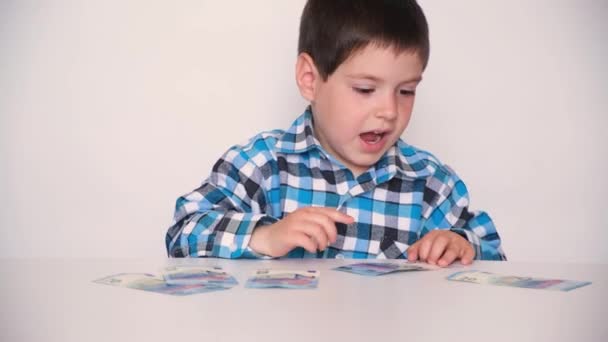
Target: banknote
x: 288, y: 279
x: 194, y: 275
x: 479, y: 277
x: 152, y: 283
x: 380, y: 268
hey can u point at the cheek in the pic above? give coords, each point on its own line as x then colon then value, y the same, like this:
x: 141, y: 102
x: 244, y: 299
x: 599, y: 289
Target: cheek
x: 344, y: 128
x: 346, y: 114
x: 406, y: 116
x: 405, y: 111
x: 343, y: 114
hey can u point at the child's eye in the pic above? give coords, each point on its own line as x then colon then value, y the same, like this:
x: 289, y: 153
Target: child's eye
x: 363, y: 90
x: 407, y: 92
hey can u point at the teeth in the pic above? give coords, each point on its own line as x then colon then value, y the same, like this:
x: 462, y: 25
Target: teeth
x: 373, y: 137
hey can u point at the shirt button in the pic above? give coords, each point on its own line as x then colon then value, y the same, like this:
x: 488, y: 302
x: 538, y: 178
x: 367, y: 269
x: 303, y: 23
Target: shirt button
x: 339, y: 256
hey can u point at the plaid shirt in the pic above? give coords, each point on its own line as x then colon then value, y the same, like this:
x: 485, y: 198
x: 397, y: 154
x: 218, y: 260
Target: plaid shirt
x: 406, y: 194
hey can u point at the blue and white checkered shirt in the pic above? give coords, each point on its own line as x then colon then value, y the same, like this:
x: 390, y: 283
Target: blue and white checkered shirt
x: 406, y: 194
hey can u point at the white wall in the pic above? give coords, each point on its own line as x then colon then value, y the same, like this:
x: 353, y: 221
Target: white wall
x: 109, y: 110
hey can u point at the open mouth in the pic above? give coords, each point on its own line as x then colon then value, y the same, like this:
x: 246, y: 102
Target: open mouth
x: 372, y: 137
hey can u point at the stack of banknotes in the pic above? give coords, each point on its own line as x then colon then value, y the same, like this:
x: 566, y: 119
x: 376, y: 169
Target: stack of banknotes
x: 175, y: 280
x: 187, y: 280
x: 488, y: 278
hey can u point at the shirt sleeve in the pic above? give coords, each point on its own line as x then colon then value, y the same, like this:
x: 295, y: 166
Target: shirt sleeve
x: 446, y: 200
x: 218, y: 218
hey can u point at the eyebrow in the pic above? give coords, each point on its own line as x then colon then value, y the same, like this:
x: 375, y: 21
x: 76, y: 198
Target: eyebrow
x: 376, y: 79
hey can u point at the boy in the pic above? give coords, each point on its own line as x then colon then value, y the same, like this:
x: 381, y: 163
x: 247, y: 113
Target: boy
x: 340, y: 183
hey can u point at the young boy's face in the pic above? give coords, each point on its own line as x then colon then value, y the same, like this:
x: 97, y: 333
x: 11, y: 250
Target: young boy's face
x: 361, y: 110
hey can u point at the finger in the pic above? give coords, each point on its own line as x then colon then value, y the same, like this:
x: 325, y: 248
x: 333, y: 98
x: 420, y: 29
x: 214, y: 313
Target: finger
x: 440, y: 243
x: 448, y: 257
x: 304, y: 241
x: 425, y: 247
x: 316, y: 232
x: 327, y: 224
x: 467, y: 255
x: 335, y: 215
x: 412, y: 252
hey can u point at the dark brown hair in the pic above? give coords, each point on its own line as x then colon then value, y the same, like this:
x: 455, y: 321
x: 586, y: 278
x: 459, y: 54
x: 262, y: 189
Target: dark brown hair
x: 332, y: 30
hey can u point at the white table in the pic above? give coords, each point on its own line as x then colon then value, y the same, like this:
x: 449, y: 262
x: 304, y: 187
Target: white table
x: 56, y: 300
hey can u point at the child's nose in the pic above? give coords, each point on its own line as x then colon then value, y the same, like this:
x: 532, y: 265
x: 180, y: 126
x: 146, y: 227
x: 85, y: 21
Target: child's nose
x: 389, y: 108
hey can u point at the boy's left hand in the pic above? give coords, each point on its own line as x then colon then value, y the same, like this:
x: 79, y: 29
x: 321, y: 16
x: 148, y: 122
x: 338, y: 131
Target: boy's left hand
x: 441, y: 247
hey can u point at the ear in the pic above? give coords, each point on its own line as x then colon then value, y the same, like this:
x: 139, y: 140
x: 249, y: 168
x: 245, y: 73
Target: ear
x: 307, y: 76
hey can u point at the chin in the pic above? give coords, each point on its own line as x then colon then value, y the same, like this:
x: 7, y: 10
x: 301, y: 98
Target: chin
x: 367, y: 163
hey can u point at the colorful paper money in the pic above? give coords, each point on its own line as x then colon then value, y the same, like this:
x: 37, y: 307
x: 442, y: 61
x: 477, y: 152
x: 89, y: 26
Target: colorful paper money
x: 380, y: 268
x: 195, y: 275
x: 283, y: 279
x: 152, y: 283
x: 479, y: 277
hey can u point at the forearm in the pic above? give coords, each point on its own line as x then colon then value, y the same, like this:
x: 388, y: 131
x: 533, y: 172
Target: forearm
x: 483, y: 237
x: 451, y: 211
x: 213, y: 234
x: 486, y: 248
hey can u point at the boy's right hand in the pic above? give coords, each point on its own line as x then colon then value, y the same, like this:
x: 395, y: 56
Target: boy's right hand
x: 312, y: 228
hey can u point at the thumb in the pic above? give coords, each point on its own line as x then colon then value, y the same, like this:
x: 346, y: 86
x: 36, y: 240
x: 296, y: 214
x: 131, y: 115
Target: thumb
x: 412, y: 252
x: 466, y: 257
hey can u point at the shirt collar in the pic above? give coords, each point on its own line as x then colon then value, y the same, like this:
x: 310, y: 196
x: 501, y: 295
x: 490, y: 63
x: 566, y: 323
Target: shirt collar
x: 299, y: 137
x: 406, y: 161
x: 400, y: 160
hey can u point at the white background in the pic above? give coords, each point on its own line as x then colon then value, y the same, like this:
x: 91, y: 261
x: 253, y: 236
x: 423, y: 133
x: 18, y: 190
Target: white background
x: 109, y: 110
